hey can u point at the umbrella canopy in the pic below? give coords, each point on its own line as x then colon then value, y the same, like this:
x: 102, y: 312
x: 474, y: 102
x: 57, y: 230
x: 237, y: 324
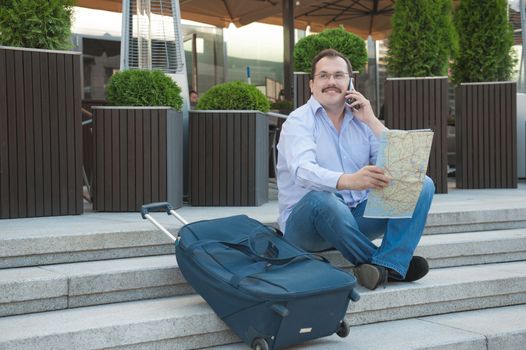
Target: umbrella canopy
x: 223, y: 12
x: 361, y: 17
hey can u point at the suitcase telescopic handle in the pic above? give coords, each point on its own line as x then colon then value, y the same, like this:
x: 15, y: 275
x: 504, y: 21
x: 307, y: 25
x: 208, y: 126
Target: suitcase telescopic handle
x: 168, y: 208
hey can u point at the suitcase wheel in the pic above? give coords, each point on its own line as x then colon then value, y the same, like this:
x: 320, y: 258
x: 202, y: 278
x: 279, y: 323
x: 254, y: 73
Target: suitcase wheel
x: 260, y: 344
x: 343, y: 329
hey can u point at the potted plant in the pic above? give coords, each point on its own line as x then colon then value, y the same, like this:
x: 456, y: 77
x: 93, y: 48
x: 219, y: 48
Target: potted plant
x: 485, y: 98
x: 350, y: 45
x: 138, y: 142
x: 40, y: 116
x: 416, y: 93
x: 228, y: 147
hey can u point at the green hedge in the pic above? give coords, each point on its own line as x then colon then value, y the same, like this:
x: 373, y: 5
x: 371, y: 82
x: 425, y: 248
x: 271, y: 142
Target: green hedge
x: 422, y: 40
x: 40, y: 24
x: 486, y: 40
x: 234, y: 95
x: 350, y: 45
x: 137, y: 87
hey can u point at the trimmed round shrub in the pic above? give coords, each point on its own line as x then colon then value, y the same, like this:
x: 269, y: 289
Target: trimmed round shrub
x: 422, y: 40
x: 137, y: 87
x: 39, y: 24
x: 235, y: 95
x: 350, y: 45
x: 486, y: 40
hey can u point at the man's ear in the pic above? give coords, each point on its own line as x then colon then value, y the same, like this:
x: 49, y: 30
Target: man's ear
x: 310, y: 85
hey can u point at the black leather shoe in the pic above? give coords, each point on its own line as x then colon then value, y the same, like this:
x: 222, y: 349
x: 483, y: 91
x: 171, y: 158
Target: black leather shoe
x: 418, y: 268
x: 371, y: 276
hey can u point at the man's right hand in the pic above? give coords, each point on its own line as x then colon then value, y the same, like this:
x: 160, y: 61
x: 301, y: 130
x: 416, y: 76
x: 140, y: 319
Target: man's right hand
x: 368, y: 177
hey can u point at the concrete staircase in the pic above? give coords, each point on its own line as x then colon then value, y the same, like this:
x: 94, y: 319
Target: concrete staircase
x: 111, y: 281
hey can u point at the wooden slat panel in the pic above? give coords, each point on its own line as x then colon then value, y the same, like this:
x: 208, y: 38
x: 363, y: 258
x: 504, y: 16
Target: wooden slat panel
x: 29, y: 157
x: 223, y: 172
x: 147, y: 156
x: 470, y: 131
x: 77, y: 126
x: 512, y: 95
x: 70, y: 120
x: 4, y: 151
x: 54, y: 137
x: 163, y: 156
x: 139, y: 156
x: 154, y: 166
x: 222, y: 147
x: 230, y: 159
x: 62, y: 131
x: 12, y: 120
x: 237, y: 159
x: 208, y: 184
x: 488, y: 135
x: 113, y: 165
x: 98, y: 160
x: 47, y: 176
x: 193, y: 157
x: 21, y: 136
x: 443, y: 122
x: 251, y: 158
x: 131, y: 161
x: 37, y: 111
x: 216, y: 160
x: 460, y: 136
x: 201, y: 190
x: 108, y: 170
x: 489, y: 95
x: 123, y: 161
x: 243, y: 166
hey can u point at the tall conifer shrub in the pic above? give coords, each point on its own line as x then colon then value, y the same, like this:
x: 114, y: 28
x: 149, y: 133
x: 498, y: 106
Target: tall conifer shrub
x: 486, y: 39
x: 422, y: 39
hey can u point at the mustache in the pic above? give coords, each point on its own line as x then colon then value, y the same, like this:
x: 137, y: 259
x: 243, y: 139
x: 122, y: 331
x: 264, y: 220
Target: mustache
x: 332, y: 87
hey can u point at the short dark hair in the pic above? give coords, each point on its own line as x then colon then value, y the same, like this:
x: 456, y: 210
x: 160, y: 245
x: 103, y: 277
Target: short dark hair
x: 329, y: 53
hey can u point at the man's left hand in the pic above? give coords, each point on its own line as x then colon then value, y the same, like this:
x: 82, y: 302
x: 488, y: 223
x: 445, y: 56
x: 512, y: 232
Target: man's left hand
x: 361, y: 107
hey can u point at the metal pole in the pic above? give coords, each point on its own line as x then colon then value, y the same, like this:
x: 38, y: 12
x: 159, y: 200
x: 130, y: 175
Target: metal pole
x: 288, y: 47
x: 522, y: 75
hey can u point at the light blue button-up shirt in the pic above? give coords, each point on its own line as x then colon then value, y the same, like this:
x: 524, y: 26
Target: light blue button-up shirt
x: 312, y: 155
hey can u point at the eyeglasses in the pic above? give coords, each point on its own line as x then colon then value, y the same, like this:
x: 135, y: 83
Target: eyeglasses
x: 338, y: 76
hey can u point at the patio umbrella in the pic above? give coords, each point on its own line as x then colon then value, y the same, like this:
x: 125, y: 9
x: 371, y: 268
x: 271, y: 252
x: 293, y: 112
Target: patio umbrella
x: 223, y: 12
x: 361, y: 17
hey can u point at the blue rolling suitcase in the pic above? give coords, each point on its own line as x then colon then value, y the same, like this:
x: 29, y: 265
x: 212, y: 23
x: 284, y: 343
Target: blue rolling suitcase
x: 269, y: 292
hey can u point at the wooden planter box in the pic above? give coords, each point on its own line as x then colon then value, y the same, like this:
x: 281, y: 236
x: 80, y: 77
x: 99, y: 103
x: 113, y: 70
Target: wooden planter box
x: 228, y: 158
x: 486, y: 131
x: 138, y: 157
x: 40, y: 133
x: 421, y: 103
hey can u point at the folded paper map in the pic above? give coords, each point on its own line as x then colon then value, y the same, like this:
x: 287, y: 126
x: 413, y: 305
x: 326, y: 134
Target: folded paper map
x: 404, y: 155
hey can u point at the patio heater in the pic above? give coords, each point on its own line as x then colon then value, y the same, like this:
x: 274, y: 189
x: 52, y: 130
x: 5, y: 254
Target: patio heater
x: 152, y: 39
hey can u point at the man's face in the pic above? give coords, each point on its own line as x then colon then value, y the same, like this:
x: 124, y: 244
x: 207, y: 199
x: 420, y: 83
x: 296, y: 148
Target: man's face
x: 330, y: 81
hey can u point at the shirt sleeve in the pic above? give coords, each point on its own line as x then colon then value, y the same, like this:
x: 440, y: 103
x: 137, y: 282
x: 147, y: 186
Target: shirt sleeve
x: 297, y: 145
x: 373, y: 141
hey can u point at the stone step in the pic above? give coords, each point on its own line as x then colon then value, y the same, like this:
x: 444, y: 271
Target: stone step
x: 185, y: 322
x: 496, y: 329
x: 61, y: 286
x: 99, y: 236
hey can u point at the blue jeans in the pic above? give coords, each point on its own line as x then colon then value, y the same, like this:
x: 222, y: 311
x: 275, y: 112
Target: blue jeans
x: 321, y: 221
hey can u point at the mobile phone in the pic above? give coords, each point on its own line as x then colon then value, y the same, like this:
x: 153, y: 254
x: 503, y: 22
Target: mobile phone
x: 351, y: 100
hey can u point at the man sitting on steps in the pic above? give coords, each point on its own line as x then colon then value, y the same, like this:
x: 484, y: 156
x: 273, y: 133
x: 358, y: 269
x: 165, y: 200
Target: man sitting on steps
x: 324, y: 175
